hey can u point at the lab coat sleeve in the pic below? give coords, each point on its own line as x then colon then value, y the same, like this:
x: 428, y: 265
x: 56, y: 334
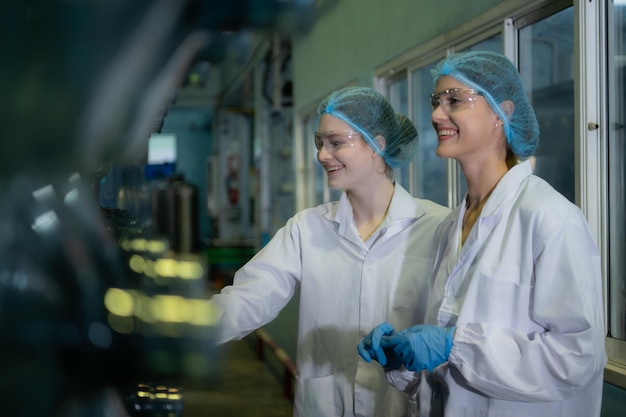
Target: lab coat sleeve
x: 403, y: 380
x: 564, y: 351
x: 262, y: 287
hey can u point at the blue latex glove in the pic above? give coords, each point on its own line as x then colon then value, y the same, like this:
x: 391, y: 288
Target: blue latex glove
x: 422, y: 346
x: 371, y: 348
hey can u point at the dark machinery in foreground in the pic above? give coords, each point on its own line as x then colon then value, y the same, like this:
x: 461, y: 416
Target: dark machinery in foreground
x: 98, y: 318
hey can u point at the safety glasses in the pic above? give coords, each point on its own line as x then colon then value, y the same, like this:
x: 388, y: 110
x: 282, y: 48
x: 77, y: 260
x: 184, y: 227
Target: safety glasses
x: 335, y: 141
x: 454, y: 99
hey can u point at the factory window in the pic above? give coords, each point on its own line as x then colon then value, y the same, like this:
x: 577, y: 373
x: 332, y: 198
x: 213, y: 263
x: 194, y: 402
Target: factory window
x: 429, y: 171
x: 397, y: 95
x: 546, y: 63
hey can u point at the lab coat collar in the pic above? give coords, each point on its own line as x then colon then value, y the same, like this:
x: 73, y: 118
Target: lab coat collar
x: 507, y: 187
x: 403, y: 206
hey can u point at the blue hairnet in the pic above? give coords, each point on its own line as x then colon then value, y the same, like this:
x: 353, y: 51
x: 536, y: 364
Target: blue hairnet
x: 497, y: 79
x: 370, y: 114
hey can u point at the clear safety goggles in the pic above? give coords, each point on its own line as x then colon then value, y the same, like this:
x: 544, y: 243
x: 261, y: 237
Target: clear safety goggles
x: 334, y: 141
x: 454, y: 99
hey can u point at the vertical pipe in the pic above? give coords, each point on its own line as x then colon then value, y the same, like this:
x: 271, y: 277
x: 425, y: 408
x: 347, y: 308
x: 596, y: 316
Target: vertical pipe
x: 276, y: 78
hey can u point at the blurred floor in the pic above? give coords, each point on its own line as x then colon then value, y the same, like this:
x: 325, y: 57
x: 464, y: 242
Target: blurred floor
x: 246, y: 387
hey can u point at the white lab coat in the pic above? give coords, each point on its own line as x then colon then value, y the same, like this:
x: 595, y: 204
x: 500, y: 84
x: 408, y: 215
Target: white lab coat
x: 346, y: 289
x: 525, y: 293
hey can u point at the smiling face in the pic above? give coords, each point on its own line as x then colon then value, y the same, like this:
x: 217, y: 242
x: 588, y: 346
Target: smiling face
x: 466, y: 132
x: 347, y: 159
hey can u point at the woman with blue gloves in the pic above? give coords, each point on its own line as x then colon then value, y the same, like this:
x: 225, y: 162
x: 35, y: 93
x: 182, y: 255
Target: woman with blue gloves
x: 515, y: 321
x: 354, y: 260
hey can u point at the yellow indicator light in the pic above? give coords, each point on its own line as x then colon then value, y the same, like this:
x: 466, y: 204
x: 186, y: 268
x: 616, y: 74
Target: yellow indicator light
x: 190, y: 270
x: 170, y: 308
x: 138, y: 245
x: 144, y: 308
x: 123, y: 305
x: 119, y: 302
x: 156, y: 246
x: 137, y: 263
x: 203, y: 313
x: 166, y: 267
x: 125, y: 244
x: 149, y: 269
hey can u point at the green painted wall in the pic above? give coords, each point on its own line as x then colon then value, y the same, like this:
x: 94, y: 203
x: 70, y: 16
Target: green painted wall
x: 353, y: 37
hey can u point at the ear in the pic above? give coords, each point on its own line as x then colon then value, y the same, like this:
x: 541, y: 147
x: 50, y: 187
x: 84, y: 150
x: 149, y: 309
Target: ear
x: 381, y: 142
x: 507, y: 107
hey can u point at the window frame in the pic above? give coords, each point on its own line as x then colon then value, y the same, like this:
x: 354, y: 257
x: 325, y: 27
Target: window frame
x: 593, y: 31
